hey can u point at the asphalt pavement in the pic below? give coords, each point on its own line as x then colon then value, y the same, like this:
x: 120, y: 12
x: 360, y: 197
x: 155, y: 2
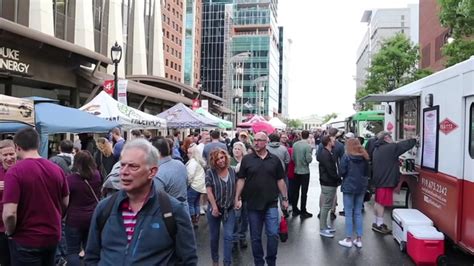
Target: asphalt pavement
x: 306, y: 247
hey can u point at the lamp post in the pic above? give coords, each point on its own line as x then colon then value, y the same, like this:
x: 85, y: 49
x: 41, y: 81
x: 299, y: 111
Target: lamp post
x: 238, y: 73
x: 260, y: 93
x: 116, y: 55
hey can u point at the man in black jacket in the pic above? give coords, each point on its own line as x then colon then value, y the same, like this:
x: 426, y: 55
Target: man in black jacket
x: 386, y: 174
x: 329, y: 180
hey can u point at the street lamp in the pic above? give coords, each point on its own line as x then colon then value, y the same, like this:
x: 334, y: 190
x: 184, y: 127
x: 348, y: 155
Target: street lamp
x: 116, y: 54
x: 260, y: 93
x: 239, y: 70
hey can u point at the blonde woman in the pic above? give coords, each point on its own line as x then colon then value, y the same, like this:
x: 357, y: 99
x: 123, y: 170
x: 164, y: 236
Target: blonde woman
x: 104, y: 157
x: 196, y: 181
x: 238, y: 152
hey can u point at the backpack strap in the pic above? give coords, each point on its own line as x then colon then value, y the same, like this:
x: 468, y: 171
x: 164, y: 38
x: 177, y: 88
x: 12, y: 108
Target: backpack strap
x: 105, y: 214
x: 167, y: 213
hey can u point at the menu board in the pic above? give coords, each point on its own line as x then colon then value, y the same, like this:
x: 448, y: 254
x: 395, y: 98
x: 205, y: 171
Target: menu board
x: 429, y: 156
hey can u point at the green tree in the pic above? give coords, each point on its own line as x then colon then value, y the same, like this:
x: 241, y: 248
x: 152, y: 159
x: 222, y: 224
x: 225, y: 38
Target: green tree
x: 329, y: 117
x: 393, y: 66
x: 458, y: 16
x: 293, y: 123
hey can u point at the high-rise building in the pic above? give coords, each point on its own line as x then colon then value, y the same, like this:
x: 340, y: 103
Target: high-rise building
x: 172, y: 12
x: 192, y: 42
x: 432, y: 36
x: 381, y: 25
x: 65, y: 47
x: 284, y: 48
x: 255, y: 33
x: 216, y: 26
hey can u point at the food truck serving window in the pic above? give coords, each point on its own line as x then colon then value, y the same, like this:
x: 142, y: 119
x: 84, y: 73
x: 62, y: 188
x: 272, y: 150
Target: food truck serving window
x: 408, y: 118
x: 471, y: 132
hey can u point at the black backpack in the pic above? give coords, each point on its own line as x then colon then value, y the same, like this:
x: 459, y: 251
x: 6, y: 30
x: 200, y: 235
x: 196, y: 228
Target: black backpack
x: 166, y: 212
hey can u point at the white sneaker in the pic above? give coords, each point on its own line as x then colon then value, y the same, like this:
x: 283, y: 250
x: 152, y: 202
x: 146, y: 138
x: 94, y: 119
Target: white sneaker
x: 330, y: 229
x: 357, y: 243
x: 326, y: 233
x: 344, y: 243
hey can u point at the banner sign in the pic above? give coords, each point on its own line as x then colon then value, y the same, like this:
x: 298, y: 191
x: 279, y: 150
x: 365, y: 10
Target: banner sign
x: 122, y: 91
x: 109, y: 87
x: 196, y: 104
x: 205, y: 105
x: 14, y: 109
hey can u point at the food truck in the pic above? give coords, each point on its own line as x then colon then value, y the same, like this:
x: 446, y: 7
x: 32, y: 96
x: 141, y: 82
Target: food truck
x: 440, y: 183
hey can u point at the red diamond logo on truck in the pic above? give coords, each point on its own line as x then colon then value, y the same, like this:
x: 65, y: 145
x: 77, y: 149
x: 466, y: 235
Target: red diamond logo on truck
x: 446, y: 126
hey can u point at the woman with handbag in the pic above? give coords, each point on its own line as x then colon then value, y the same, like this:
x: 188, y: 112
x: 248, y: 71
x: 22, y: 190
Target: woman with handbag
x: 221, y: 186
x: 84, y: 188
x: 104, y: 157
x: 353, y: 169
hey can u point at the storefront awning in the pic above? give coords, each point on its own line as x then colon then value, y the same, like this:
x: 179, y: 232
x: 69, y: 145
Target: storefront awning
x: 135, y: 87
x: 379, y: 98
x: 20, y: 30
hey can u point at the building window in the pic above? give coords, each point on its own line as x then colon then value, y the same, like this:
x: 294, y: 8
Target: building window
x: 167, y: 34
x: 166, y: 75
x: 166, y: 62
x: 172, y: 37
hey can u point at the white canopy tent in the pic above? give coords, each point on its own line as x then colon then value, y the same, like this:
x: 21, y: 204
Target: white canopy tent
x: 277, y: 123
x: 104, y: 106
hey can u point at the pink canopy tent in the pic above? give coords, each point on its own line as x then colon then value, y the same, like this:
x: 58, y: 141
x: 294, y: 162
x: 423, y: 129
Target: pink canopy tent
x: 263, y: 126
x: 254, y: 119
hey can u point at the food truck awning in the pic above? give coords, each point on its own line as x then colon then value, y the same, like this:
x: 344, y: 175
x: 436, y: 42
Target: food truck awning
x: 379, y: 98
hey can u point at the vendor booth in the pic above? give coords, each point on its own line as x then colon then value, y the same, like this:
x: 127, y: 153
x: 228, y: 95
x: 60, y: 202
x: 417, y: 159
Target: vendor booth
x: 180, y: 116
x: 221, y: 123
x: 277, y: 123
x: 52, y: 118
x: 104, y: 106
x: 15, y: 113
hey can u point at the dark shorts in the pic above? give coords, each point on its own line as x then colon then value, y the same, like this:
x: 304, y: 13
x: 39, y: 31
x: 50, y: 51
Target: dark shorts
x: 384, y: 196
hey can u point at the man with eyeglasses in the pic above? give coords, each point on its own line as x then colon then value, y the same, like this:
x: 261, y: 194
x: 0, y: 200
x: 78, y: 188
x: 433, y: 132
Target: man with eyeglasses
x: 261, y: 180
x: 135, y: 231
x: 386, y: 174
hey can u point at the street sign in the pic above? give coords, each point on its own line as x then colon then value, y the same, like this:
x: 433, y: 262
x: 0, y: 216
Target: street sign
x: 446, y: 126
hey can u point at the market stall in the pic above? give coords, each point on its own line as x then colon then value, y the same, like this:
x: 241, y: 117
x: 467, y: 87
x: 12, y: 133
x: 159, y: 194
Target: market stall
x: 15, y: 113
x: 277, y: 123
x: 221, y: 123
x: 180, y: 116
x: 106, y: 107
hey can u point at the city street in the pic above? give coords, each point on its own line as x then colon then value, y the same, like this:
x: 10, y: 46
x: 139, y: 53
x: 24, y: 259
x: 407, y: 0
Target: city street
x: 306, y: 247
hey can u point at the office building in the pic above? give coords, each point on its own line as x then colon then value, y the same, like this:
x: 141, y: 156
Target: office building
x: 67, y: 45
x: 254, y: 58
x: 284, y: 48
x: 381, y: 25
x: 192, y: 42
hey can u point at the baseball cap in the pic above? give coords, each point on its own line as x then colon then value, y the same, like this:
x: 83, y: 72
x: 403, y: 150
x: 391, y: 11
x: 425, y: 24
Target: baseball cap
x: 349, y: 135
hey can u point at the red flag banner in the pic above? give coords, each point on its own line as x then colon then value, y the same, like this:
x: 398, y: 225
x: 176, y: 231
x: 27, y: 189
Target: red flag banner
x: 196, y: 104
x: 109, y: 87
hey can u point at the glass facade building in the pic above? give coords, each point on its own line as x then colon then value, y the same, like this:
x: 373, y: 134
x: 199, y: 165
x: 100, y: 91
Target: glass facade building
x: 256, y: 31
x: 213, y: 42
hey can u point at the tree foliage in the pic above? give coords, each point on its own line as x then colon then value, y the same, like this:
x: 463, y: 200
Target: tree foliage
x: 329, y: 117
x: 393, y: 66
x: 458, y: 16
x: 293, y: 123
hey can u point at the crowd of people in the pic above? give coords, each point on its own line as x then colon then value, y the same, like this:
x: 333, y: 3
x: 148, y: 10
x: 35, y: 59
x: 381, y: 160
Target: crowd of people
x: 140, y: 201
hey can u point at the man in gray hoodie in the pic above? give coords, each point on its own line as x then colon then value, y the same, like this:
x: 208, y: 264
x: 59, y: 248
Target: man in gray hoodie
x: 280, y: 151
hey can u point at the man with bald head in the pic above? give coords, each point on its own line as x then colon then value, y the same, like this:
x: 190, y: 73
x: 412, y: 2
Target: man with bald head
x: 261, y: 180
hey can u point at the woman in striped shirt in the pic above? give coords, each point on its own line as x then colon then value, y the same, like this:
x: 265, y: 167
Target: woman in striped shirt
x: 220, y: 185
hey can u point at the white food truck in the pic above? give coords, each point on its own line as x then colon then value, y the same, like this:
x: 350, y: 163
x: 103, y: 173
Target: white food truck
x: 439, y: 109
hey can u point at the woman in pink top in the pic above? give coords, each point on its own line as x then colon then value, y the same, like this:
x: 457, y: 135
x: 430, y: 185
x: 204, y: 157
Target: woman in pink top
x: 8, y: 159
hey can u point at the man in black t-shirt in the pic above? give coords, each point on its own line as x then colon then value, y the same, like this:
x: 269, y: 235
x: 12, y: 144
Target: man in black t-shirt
x: 261, y: 180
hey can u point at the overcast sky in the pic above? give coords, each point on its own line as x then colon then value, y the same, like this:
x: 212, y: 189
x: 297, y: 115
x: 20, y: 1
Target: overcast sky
x: 325, y: 35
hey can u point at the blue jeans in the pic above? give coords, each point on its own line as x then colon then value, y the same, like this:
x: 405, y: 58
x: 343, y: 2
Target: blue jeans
x: 27, y: 256
x: 268, y: 217
x: 241, y: 223
x: 76, y: 239
x: 214, y: 231
x: 193, y: 201
x: 353, y: 209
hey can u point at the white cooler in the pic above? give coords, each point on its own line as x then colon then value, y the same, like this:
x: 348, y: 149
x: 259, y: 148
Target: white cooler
x: 404, y: 218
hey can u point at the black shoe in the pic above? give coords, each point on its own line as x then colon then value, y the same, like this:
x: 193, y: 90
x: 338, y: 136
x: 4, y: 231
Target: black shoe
x: 285, y: 213
x: 243, y: 243
x: 333, y: 216
x: 306, y: 214
x: 342, y: 213
x: 319, y: 215
x: 235, y: 247
x: 296, y: 212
